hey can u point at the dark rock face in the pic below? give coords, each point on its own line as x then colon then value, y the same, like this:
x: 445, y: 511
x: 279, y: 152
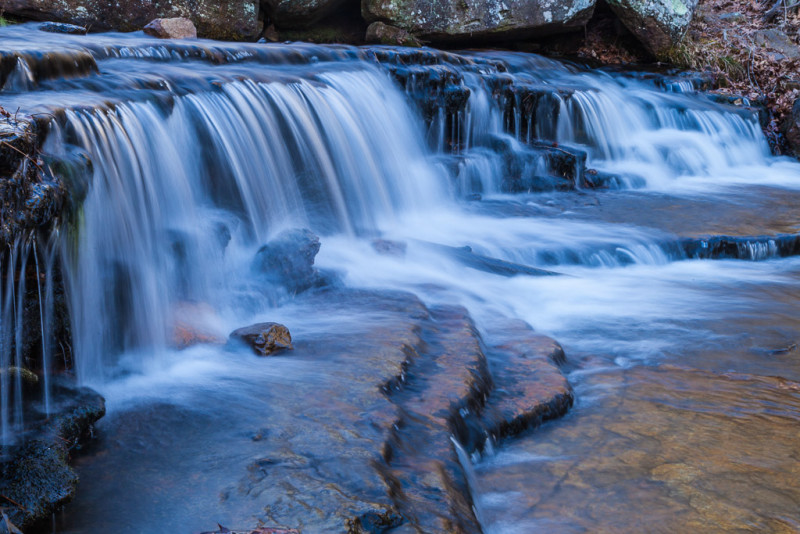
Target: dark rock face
x: 381, y: 33
x: 37, y: 475
x: 454, y: 20
x: 300, y: 14
x: 215, y: 19
x: 791, y: 129
x: 265, y: 338
x: 288, y: 260
x: 177, y: 28
x: 658, y: 24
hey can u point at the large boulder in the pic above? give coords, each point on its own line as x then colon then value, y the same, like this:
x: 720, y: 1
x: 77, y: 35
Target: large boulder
x: 457, y: 20
x: 658, y: 24
x: 216, y: 19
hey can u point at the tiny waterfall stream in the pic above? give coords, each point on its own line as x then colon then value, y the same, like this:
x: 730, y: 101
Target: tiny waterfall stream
x: 669, y: 224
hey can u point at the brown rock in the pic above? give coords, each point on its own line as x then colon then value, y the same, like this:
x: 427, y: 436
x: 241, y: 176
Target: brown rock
x: 265, y: 338
x: 381, y: 33
x: 176, y: 28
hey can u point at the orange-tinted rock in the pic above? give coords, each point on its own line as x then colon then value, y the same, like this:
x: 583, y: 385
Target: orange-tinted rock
x: 176, y: 28
x: 265, y: 338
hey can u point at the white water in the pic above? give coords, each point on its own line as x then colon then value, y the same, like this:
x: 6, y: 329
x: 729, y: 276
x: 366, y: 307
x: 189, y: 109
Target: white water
x: 333, y: 144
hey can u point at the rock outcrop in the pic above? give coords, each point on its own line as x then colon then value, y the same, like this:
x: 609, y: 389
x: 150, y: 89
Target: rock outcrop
x: 216, y: 19
x: 658, y: 24
x: 456, y: 20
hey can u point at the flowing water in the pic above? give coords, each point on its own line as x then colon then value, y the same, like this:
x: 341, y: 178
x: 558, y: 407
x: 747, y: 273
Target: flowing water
x: 685, y: 370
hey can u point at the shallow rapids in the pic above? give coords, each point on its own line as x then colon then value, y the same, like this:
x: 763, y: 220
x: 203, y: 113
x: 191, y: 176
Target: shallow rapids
x: 686, y: 371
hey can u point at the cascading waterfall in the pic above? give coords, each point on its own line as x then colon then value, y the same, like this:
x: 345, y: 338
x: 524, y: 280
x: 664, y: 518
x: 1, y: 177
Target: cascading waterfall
x: 195, y: 155
x: 336, y: 154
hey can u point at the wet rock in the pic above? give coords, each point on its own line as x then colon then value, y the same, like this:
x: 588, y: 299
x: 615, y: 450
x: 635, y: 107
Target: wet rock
x: 175, y: 28
x: 17, y: 143
x: 381, y: 33
x: 264, y: 338
x: 37, y: 475
x: 791, y: 128
x: 288, y: 260
x: 215, y: 19
x: 60, y: 27
x: 456, y: 20
x: 659, y: 25
x: 374, y: 523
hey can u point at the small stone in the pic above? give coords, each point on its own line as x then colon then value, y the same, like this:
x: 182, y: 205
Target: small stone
x: 265, y: 338
x: 60, y: 27
x: 381, y: 33
x: 175, y: 28
x: 387, y: 247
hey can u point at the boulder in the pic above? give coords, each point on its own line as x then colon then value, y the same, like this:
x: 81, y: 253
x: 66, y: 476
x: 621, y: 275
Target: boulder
x: 176, y: 28
x: 214, y: 19
x: 658, y: 24
x: 457, y: 20
x: 264, y: 338
x: 288, y: 260
x: 791, y: 129
x: 381, y: 33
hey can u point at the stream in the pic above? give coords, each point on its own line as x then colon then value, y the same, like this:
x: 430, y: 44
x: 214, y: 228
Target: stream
x: 440, y: 185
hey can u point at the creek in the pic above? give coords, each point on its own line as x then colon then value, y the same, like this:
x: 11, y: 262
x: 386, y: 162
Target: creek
x: 440, y: 185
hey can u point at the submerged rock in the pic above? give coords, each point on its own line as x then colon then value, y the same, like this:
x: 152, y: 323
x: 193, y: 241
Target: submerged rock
x: 288, y: 260
x: 265, y: 338
x: 454, y: 20
x: 176, y: 28
x: 381, y: 33
x: 60, y: 27
x: 658, y: 24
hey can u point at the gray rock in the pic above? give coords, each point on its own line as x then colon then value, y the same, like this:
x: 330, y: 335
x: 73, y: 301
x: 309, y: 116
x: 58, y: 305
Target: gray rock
x: 658, y: 24
x: 777, y: 40
x: 215, y: 19
x: 176, y: 28
x: 458, y: 20
x: 288, y: 260
x: 381, y: 33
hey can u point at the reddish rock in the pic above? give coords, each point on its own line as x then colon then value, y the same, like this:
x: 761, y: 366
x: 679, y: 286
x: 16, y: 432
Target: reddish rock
x: 177, y: 28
